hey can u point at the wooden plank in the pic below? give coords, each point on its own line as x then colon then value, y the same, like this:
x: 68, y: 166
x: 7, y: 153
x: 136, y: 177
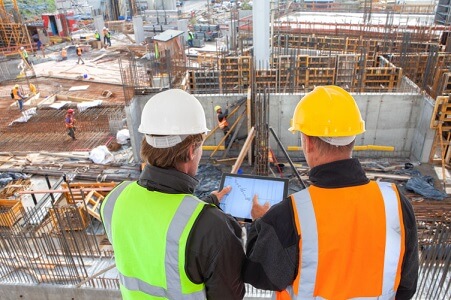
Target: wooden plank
x: 79, y: 88
x: 242, y: 155
x: 99, y: 189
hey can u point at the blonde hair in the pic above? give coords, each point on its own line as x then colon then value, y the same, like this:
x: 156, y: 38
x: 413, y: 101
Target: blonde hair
x: 169, y: 157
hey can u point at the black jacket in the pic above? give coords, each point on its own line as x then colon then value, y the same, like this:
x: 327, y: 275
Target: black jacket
x: 214, y: 249
x: 274, y: 242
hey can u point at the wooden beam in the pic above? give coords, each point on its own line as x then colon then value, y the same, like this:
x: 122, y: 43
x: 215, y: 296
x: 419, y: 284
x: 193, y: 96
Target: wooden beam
x: 243, y: 153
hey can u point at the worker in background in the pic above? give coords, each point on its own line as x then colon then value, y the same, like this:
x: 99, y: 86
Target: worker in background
x: 344, y: 236
x: 190, y: 38
x: 33, y: 89
x: 64, y: 53
x: 70, y: 123
x: 223, y: 123
x: 108, y: 37
x: 97, y: 35
x: 104, y: 31
x: 18, y: 96
x: 79, y: 51
x: 24, y: 54
x: 105, y: 36
x: 167, y: 243
x: 43, y: 50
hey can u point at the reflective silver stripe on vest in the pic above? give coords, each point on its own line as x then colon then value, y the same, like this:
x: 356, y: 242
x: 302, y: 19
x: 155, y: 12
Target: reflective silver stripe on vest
x: 309, y: 249
x: 309, y: 254
x: 175, y: 230
x: 393, y: 236
x: 107, y: 212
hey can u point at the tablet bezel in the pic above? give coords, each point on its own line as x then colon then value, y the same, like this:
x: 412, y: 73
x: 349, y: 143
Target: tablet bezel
x: 258, y: 177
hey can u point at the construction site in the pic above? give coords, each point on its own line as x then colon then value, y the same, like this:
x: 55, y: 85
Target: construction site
x: 394, y: 57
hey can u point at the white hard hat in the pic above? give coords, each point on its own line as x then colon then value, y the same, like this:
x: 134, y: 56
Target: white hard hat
x: 172, y: 115
x: 21, y: 48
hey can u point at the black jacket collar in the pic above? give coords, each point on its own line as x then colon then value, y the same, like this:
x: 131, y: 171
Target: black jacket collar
x: 342, y: 173
x: 170, y: 181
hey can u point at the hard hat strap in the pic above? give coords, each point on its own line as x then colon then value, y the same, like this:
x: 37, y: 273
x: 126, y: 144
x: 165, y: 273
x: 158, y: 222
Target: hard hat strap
x: 166, y: 141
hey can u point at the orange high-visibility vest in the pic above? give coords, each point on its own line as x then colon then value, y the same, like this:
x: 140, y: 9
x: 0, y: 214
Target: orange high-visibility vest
x: 16, y: 94
x: 352, y: 242
x: 223, y: 124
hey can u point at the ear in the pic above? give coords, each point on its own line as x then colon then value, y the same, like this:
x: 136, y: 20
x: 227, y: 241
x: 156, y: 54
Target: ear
x: 307, y: 143
x: 191, y: 152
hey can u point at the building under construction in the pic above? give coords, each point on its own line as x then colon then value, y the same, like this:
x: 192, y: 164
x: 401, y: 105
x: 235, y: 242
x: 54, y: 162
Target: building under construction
x: 394, y: 58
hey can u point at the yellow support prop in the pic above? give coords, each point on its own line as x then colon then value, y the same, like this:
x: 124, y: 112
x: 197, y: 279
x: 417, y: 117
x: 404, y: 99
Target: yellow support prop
x: 212, y: 148
x: 356, y: 148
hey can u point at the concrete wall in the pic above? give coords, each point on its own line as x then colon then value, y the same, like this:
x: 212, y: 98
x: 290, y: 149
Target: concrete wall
x: 133, y: 115
x: 398, y: 120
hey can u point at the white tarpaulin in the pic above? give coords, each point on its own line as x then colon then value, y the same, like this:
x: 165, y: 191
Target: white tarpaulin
x: 87, y: 104
x: 26, y: 115
x: 101, y: 155
x: 123, y: 136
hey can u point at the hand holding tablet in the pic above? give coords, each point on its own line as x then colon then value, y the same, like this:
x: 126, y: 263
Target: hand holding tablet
x: 239, y: 201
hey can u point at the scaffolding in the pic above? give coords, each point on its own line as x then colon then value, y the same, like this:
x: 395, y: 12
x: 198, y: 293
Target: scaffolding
x: 13, y: 33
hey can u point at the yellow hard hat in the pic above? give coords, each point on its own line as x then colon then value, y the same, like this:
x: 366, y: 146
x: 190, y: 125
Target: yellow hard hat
x: 327, y: 111
x: 217, y: 107
x: 16, y: 86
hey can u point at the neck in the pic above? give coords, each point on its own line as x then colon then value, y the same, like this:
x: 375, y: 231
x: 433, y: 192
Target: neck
x: 325, y: 159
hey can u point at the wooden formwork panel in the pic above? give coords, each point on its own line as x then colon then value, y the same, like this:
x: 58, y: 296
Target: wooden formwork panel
x: 229, y: 61
x: 321, y: 61
x: 345, y: 72
x: 69, y: 217
x: 207, y: 59
x: 10, y: 212
x: 92, y: 204
x: 204, y: 80
x: 320, y: 76
x: 442, y: 87
x: 76, y: 195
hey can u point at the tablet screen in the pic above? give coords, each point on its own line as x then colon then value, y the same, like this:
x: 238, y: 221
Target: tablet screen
x: 238, y: 202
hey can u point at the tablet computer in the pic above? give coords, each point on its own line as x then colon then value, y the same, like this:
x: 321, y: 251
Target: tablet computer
x: 238, y: 202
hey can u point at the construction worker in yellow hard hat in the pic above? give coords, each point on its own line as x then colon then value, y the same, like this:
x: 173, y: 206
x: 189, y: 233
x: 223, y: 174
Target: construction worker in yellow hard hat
x: 221, y: 117
x: 18, y: 96
x: 342, y: 237
x: 164, y: 237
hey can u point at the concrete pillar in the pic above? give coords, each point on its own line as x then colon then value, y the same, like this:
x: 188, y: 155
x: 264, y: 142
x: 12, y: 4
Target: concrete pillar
x: 182, y: 25
x: 99, y: 23
x: 163, y: 5
x: 232, y: 33
x: 138, y: 29
x: 260, y: 26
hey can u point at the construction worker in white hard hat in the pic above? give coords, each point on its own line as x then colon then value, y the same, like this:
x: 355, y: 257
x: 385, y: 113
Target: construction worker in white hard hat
x: 221, y: 117
x: 24, y: 54
x: 343, y: 237
x: 105, y: 34
x: 167, y: 243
